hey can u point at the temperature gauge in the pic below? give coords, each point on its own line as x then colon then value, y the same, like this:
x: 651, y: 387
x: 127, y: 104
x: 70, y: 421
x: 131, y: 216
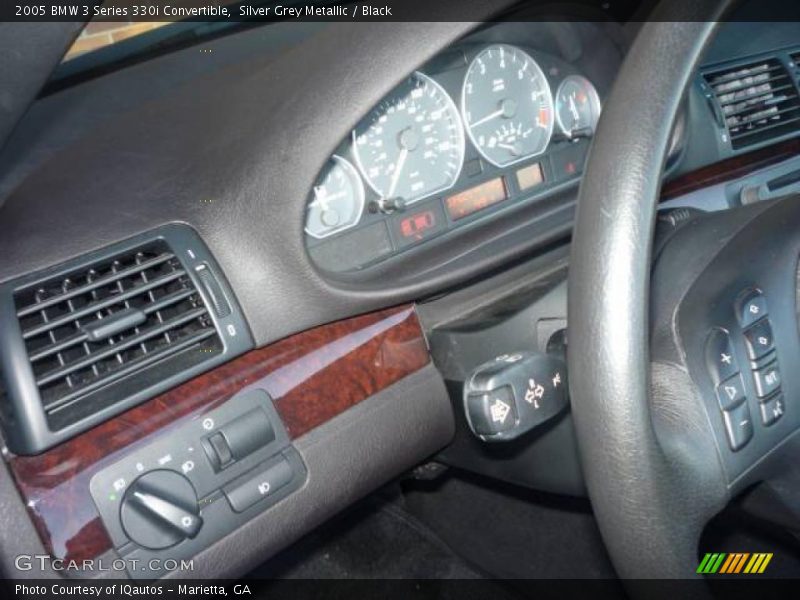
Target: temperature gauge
x: 577, y: 107
x: 338, y: 200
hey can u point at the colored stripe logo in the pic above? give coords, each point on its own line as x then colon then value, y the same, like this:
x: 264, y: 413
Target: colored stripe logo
x: 734, y: 563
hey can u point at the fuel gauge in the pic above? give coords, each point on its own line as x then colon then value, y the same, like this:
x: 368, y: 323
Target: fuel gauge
x: 338, y: 200
x: 577, y: 107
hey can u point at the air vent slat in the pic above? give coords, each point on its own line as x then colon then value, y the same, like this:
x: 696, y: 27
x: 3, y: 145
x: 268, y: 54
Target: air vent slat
x: 765, y: 105
x: 761, y: 114
x: 739, y: 73
x: 98, y: 283
x: 753, y: 94
x: 103, y: 304
x: 115, y: 349
x: 69, y: 399
x: 758, y: 101
x: 59, y: 347
x: 155, y: 316
x: 767, y: 127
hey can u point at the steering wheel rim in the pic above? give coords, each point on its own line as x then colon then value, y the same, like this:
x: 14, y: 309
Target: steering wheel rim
x: 651, y: 497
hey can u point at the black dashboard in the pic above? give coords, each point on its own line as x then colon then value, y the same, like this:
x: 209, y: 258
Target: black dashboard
x: 332, y: 169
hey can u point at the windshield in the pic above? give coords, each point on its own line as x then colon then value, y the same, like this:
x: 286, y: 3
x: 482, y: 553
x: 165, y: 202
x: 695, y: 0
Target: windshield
x: 105, y: 45
x: 100, y: 34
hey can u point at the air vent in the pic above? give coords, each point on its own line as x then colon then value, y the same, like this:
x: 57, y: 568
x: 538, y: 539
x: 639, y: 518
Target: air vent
x: 758, y: 101
x: 118, y: 328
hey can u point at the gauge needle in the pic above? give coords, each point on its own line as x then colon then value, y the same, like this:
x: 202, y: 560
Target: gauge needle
x: 489, y: 117
x: 321, y: 199
x: 401, y: 160
x: 574, y: 109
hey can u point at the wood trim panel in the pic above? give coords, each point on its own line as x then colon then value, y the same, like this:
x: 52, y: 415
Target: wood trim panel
x: 312, y: 377
x: 730, y: 168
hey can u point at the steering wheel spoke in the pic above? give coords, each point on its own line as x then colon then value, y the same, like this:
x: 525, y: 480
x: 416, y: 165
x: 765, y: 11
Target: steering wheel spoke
x: 733, y: 322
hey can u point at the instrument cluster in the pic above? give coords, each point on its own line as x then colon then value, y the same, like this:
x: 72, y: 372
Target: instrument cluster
x: 478, y: 128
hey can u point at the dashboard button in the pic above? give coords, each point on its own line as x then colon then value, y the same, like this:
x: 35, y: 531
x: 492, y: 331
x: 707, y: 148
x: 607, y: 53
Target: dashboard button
x: 752, y: 308
x: 221, y: 455
x: 730, y: 393
x: 767, y: 379
x: 738, y: 426
x: 758, y: 339
x: 255, y: 486
x: 239, y: 438
x: 772, y: 409
x: 720, y: 360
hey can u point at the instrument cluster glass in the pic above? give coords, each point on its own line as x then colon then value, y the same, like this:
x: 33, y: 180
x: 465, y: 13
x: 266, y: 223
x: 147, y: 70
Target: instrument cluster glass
x: 413, y: 145
x: 507, y: 105
x: 577, y: 106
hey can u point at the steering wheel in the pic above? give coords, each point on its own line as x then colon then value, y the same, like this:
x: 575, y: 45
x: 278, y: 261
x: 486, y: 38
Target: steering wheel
x: 673, y: 365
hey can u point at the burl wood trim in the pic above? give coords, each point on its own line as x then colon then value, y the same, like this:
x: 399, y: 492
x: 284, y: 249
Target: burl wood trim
x: 730, y: 169
x: 312, y: 377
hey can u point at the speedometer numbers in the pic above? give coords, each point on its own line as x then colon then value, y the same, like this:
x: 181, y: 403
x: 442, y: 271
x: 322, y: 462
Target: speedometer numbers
x: 507, y: 105
x: 412, y: 145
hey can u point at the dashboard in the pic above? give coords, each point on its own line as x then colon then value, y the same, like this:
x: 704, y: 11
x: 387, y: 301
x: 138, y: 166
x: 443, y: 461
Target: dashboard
x: 479, y: 129
x: 394, y: 164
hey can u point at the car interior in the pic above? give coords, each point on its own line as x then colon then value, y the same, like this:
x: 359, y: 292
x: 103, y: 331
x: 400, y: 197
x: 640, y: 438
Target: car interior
x: 508, y: 292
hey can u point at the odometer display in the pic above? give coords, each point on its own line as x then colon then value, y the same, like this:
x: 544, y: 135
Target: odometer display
x: 475, y: 199
x: 507, y: 105
x: 412, y: 145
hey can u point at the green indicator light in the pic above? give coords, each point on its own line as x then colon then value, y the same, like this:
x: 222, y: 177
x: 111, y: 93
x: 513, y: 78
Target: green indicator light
x: 112, y: 497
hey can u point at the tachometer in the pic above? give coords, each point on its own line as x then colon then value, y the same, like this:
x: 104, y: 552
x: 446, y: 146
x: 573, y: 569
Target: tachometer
x: 507, y: 105
x: 577, y: 106
x: 338, y: 200
x: 412, y: 145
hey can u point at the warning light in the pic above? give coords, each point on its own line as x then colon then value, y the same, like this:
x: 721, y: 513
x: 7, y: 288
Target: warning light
x: 416, y: 225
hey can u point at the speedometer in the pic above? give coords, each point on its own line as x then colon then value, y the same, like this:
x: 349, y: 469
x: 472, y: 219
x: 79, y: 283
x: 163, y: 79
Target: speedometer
x: 412, y: 145
x: 507, y: 105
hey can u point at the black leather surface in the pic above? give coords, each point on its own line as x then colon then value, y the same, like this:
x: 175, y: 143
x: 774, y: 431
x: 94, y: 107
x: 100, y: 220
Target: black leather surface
x: 651, y: 490
x: 234, y: 154
x: 15, y: 524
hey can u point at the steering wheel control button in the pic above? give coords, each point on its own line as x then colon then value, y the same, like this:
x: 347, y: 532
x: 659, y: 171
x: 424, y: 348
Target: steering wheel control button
x: 160, y: 510
x: 772, y: 409
x: 767, y: 380
x: 752, y: 308
x: 759, y: 339
x: 738, y: 426
x: 510, y: 395
x: 720, y: 359
x: 492, y: 413
x: 256, y: 486
x: 730, y: 393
